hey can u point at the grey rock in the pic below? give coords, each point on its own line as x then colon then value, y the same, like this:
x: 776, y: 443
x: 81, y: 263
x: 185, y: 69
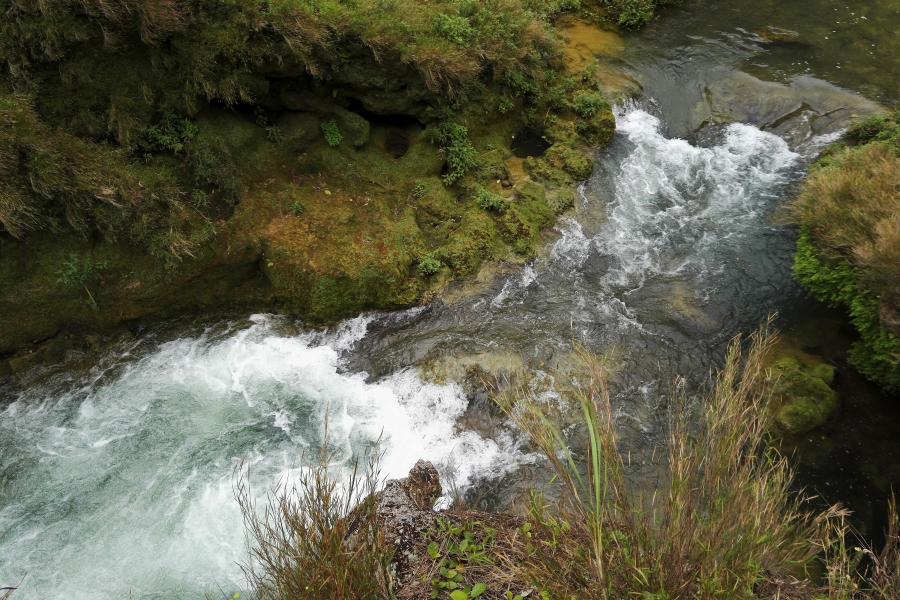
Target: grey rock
x: 797, y: 112
x: 404, y: 510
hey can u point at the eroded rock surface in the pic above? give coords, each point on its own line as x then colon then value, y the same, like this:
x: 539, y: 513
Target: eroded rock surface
x: 404, y: 509
x: 804, y: 108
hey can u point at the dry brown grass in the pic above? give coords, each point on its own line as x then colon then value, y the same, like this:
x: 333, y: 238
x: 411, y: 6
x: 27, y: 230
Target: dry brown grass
x: 721, y: 521
x: 316, y: 538
x: 852, y: 209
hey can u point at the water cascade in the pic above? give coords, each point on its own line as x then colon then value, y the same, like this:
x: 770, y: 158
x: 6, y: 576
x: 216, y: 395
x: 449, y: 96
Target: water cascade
x: 118, y: 481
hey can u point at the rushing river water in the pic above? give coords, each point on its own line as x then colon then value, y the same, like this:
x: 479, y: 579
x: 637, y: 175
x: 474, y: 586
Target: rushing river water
x: 117, y: 478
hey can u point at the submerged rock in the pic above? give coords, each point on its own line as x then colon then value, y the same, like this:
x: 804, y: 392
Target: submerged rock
x: 804, y: 398
x: 797, y: 111
x: 776, y: 35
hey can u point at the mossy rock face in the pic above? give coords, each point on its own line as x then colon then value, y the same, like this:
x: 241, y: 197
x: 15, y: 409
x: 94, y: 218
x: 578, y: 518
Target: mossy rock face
x: 245, y: 141
x: 337, y: 295
x: 354, y: 128
x: 597, y: 130
x: 560, y: 166
x: 299, y: 130
x: 435, y: 202
x: 471, y: 244
x: 520, y: 224
x: 806, y: 399
x: 561, y: 200
x: 491, y: 168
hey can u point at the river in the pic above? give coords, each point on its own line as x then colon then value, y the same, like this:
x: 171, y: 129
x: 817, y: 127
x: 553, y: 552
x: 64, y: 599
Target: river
x: 117, y: 473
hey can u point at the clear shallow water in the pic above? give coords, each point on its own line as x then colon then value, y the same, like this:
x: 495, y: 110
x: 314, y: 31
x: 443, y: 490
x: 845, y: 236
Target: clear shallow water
x: 854, y: 45
x: 120, y: 480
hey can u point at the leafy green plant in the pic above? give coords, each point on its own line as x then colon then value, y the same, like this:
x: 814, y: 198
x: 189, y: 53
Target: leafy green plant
x: 199, y: 199
x: 171, y: 133
x: 588, y: 104
x: 454, y: 28
x: 456, y: 149
x: 458, y: 550
x: 488, y: 200
x: 506, y: 105
x: 275, y: 135
x: 429, y: 265
x: 296, y: 208
x: 81, y: 271
x: 332, y: 133
x: 836, y: 283
x: 419, y: 189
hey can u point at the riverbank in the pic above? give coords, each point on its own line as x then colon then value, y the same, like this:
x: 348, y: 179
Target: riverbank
x: 308, y: 188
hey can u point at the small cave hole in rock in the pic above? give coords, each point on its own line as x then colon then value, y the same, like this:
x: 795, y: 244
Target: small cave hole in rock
x: 396, y: 143
x: 529, y: 142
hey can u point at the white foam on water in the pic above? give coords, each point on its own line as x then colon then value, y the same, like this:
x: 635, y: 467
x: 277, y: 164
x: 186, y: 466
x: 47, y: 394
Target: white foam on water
x: 675, y: 203
x: 126, y: 487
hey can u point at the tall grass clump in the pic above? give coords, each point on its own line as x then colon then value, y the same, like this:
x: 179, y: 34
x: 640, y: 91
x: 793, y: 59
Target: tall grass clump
x: 316, y: 538
x: 848, y: 251
x: 721, y: 519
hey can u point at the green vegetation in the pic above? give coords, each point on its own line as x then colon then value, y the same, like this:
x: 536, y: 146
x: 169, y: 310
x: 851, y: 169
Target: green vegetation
x: 173, y: 140
x: 80, y: 272
x: 488, y: 200
x: 429, y: 265
x: 332, y: 133
x: 805, y: 397
x: 317, y: 539
x: 720, y: 520
x: 848, y: 252
x: 456, y: 149
x: 588, y: 104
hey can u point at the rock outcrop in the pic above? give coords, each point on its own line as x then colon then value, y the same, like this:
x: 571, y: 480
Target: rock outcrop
x: 405, y: 510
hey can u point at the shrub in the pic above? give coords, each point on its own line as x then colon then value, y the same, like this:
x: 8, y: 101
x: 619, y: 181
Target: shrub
x: 488, y: 200
x: 332, y: 133
x: 429, y: 265
x: 877, y: 128
x: 80, y: 272
x: 171, y: 133
x: 456, y: 149
x: 275, y: 135
x: 317, y: 538
x: 588, y: 104
x: 837, y: 283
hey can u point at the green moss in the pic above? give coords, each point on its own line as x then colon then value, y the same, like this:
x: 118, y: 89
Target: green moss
x: 521, y: 223
x: 560, y: 200
x: 597, y: 129
x: 806, y: 399
x: 560, y: 166
x: 837, y: 283
x: 338, y: 295
x: 474, y: 242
